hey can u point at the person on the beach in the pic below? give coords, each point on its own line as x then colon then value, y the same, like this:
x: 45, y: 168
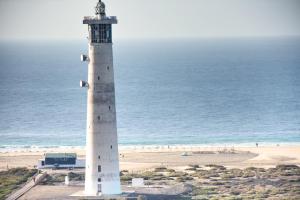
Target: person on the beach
x: 256, y: 144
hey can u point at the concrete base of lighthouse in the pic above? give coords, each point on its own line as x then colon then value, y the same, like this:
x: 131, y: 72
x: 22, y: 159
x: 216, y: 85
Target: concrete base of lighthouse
x: 83, y: 195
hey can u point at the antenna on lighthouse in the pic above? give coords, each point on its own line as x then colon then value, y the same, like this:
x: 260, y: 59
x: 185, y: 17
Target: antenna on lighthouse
x: 100, y: 9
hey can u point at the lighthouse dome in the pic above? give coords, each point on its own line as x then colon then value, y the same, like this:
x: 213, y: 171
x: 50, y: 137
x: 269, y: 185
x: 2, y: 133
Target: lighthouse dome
x: 100, y: 8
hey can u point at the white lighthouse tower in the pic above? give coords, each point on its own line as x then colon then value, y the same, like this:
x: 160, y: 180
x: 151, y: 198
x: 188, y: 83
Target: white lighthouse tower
x: 102, y: 157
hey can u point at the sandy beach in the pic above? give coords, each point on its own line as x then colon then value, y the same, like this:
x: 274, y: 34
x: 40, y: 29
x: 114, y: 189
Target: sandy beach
x: 144, y: 158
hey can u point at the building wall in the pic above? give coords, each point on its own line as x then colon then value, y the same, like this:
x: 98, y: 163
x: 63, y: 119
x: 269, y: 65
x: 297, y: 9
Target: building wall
x: 80, y: 163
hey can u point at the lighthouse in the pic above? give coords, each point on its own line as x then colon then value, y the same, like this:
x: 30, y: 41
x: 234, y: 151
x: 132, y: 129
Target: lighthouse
x: 102, y: 157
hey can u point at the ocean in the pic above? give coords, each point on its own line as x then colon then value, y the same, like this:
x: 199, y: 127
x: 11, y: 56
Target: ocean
x: 168, y: 92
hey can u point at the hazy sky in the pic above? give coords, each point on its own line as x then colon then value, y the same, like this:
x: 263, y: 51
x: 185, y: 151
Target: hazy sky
x: 28, y: 19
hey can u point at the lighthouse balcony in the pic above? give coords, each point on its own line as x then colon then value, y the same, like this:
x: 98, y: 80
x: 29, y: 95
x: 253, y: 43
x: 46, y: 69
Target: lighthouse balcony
x: 100, y: 20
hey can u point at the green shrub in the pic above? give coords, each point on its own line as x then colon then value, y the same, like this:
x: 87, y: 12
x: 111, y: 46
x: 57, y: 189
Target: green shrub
x: 220, y: 167
x: 170, y: 170
x: 251, y: 169
x: 149, y: 174
x: 52, y: 179
x: 126, y: 178
x: 227, y: 176
x: 160, y: 169
x: 287, y: 167
x: 76, y: 177
x: 191, y: 169
x: 204, y: 191
x: 236, y: 172
x: 184, y: 178
x: 205, y: 174
x: 194, y: 166
x: 234, y: 198
x: 248, y: 174
x: 177, y: 174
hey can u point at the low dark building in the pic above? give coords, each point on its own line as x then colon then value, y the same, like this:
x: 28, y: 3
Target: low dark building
x: 61, y: 160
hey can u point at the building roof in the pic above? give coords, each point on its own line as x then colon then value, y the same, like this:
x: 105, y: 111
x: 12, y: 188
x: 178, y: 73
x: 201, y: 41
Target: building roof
x: 60, y: 155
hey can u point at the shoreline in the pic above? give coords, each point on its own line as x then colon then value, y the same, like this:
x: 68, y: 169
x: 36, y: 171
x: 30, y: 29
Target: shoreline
x: 35, y: 148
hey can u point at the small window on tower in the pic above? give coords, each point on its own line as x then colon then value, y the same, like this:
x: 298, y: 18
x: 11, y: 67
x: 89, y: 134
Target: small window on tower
x: 109, y: 107
x: 99, y: 157
x: 99, y: 179
x: 99, y: 168
x: 98, y: 117
x: 107, y: 67
x: 110, y: 146
x: 98, y: 78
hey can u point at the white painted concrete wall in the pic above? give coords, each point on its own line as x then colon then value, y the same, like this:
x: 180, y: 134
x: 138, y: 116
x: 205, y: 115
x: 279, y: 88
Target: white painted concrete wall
x: 102, y: 140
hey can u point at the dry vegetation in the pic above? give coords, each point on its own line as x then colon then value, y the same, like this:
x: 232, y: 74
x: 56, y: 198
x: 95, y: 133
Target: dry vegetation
x: 217, y: 182
x: 13, y: 179
x: 57, y: 178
